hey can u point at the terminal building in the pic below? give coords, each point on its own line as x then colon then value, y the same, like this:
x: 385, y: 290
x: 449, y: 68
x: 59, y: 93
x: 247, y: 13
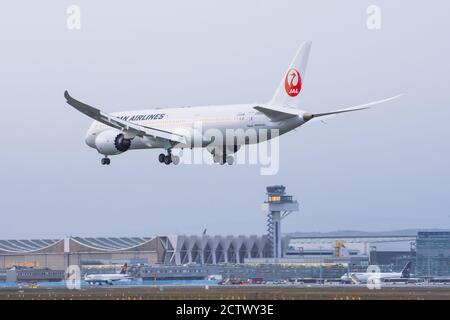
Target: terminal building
x: 390, y: 251
x: 433, y: 254
x: 429, y: 251
x: 171, y: 250
x: 206, y: 249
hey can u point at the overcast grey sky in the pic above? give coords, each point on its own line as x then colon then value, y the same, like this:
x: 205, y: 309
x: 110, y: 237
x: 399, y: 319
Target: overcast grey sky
x: 382, y: 169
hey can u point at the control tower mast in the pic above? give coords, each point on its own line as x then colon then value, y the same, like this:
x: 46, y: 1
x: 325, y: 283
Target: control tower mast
x: 279, y: 205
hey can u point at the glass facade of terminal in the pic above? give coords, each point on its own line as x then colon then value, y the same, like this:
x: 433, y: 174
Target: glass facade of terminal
x: 433, y: 254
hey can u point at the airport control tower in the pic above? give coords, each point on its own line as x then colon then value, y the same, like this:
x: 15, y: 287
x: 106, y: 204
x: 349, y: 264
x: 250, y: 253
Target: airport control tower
x: 278, y: 205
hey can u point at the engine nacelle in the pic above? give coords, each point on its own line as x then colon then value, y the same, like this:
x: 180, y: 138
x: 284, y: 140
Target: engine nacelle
x: 111, y: 142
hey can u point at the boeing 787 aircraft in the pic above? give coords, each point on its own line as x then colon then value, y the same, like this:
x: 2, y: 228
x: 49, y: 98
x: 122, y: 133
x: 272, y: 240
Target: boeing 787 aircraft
x: 187, y: 127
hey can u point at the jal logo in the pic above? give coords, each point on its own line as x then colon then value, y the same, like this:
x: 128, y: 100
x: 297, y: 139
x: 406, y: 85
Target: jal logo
x: 293, y: 82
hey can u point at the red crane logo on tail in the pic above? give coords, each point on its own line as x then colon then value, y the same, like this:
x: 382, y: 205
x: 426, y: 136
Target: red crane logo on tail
x: 293, y: 82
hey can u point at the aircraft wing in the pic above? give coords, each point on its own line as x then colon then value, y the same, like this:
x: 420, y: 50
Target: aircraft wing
x: 131, y: 129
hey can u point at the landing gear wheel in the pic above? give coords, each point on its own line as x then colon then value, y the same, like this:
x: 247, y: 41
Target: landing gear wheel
x: 230, y: 160
x: 175, y: 160
x: 106, y: 161
x: 167, y: 159
x: 161, y: 157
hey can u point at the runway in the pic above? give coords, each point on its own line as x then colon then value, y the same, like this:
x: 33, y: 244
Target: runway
x: 244, y: 292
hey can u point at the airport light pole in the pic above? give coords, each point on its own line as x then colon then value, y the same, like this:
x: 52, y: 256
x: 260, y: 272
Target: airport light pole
x: 320, y: 257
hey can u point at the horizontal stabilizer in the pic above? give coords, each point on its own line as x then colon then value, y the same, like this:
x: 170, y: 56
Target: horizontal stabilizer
x: 278, y: 114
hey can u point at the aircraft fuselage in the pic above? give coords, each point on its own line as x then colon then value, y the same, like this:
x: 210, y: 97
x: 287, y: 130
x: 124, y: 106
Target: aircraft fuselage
x: 238, y: 120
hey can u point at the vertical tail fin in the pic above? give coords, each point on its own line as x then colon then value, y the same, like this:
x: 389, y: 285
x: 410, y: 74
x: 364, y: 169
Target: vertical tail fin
x: 124, y: 269
x: 406, y: 272
x: 288, y: 92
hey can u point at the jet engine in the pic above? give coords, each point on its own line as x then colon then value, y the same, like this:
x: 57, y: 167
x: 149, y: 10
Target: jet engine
x: 111, y: 142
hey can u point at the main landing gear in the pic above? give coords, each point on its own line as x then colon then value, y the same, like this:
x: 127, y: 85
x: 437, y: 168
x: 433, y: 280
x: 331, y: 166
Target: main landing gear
x: 106, y: 161
x: 222, y: 159
x: 169, y: 158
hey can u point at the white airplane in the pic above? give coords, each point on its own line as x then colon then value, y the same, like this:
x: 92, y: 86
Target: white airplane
x: 108, y: 278
x: 367, y: 277
x: 169, y: 128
